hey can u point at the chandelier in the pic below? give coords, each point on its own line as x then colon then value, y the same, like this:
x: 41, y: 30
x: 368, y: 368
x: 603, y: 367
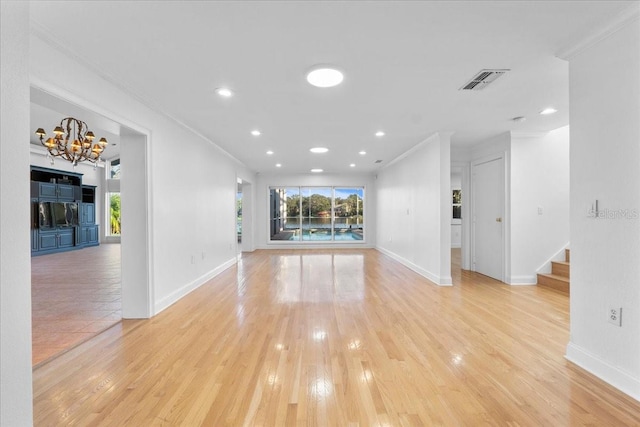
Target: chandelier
x: 76, y: 146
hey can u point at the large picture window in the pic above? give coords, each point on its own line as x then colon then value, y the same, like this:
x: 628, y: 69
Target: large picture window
x: 314, y: 214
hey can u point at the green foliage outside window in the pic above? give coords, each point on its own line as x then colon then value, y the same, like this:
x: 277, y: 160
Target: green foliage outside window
x: 115, y: 214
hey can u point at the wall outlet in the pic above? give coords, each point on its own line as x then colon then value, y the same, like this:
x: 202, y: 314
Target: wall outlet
x: 615, y: 315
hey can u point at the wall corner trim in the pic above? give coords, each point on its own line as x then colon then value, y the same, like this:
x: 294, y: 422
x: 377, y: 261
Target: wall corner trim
x: 437, y: 280
x: 618, y: 378
x: 621, y: 20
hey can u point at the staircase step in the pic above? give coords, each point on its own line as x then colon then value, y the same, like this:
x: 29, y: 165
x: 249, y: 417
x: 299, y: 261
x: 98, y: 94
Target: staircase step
x: 553, y: 281
x: 560, y: 268
x: 567, y: 255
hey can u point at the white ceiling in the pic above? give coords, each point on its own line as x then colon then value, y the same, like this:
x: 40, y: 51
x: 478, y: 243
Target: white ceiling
x: 403, y: 61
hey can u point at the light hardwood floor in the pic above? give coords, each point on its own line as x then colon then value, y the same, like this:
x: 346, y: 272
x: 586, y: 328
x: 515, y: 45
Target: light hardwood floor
x: 334, y: 338
x: 75, y: 295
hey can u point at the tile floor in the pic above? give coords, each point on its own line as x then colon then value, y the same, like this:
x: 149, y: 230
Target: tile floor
x: 75, y: 295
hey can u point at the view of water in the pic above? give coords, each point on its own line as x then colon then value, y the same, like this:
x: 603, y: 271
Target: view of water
x: 325, y: 234
x: 321, y: 223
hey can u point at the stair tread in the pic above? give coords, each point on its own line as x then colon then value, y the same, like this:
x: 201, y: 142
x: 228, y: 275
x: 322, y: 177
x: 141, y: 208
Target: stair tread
x: 561, y: 262
x: 555, y: 276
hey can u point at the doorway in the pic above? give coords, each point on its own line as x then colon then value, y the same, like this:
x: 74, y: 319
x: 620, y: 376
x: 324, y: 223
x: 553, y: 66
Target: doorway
x: 239, y: 216
x: 126, y: 293
x: 456, y: 223
x: 488, y: 217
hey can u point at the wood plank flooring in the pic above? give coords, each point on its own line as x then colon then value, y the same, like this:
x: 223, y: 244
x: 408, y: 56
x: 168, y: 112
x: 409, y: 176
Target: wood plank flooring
x: 334, y: 338
x: 75, y: 295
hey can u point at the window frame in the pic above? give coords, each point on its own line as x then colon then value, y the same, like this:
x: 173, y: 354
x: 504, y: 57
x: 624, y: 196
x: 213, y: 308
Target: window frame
x: 332, y: 223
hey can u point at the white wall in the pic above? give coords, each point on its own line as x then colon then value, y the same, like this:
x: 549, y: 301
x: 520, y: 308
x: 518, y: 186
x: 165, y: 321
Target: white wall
x: 413, y: 206
x: 248, y: 216
x: 539, y: 179
x: 266, y: 180
x: 191, y: 198
x: 15, y: 258
x: 605, y: 166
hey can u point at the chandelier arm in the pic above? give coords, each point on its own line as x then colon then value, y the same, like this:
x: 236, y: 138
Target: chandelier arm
x: 80, y: 149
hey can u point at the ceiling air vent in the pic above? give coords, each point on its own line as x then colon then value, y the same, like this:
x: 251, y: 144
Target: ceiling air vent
x: 482, y: 79
x: 378, y: 161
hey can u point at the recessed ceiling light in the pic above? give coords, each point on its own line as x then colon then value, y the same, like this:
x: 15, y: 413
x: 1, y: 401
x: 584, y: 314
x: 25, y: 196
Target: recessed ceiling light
x: 547, y: 111
x: 256, y: 132
x: 352, y: 165
x: 269, y: 152
x: 316, y: 170
x: 319, y: 150
x: 362, y: 153
x: 380, y: 133
x: 223, y: 91
x: 278, y: 165
x: 324, y: 76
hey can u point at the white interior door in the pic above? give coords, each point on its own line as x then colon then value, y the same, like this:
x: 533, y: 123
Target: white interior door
x: 488, y: 218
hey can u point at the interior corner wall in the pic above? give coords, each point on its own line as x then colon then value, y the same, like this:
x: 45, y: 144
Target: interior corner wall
x: 191, y: 198
x: 16, y: 393
x: 248, y: 214
x: 445, y: 208
x: 539, y: 188
x: 413, y: 207
x: 604, y: 81
x: 135, y: 225
x: 249, y: 181
x: 266, y: 180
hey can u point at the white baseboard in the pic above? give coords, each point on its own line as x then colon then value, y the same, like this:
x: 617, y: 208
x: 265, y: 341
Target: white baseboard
x: 176, y: 295
x: 618, y: 378
x: 440, y: 281
x: 522, y: 280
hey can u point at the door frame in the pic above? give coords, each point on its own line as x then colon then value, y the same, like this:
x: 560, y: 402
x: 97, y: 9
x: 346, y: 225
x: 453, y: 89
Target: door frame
x: 137, y: 277
x: 506, y: 217
x: 465, y: 247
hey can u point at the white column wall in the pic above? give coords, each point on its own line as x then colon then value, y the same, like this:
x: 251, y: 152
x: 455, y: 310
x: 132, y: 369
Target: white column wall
x: 135, y: 225
x: 15, y: 257
x: 605, y: 166
x: 413, y: 206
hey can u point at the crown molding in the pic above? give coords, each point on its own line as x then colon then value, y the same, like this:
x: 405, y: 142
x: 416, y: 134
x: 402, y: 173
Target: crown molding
x: 518, y: 134
x: 625, y: 17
